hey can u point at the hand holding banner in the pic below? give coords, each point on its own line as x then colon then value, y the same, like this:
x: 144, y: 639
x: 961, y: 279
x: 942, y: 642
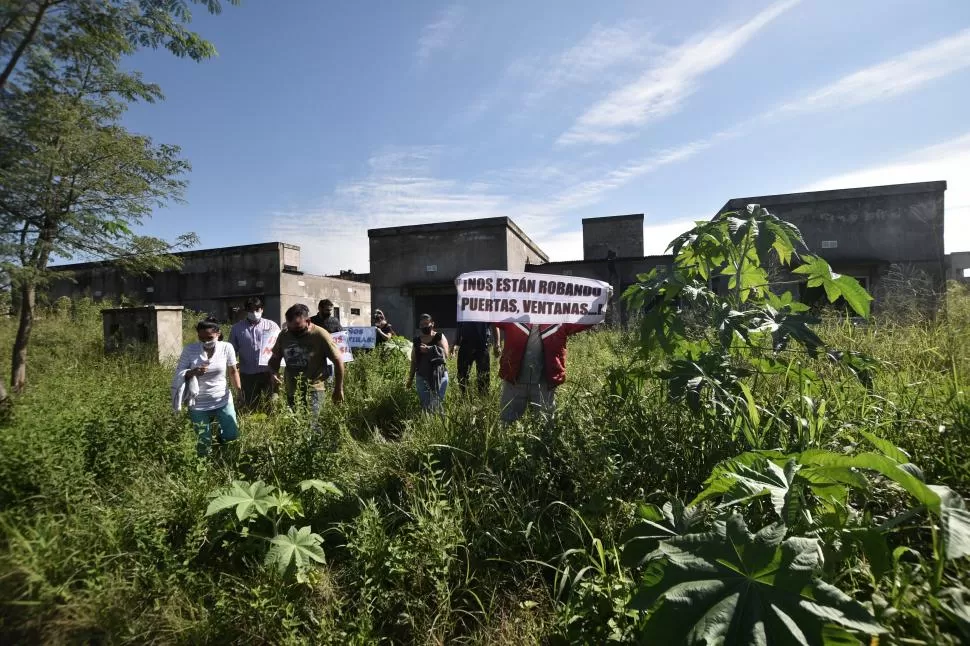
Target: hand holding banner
x: 506, y: 296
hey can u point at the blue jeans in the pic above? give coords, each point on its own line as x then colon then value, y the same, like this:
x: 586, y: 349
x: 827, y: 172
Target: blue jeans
x: 202, y: 421
x: 431, y: 401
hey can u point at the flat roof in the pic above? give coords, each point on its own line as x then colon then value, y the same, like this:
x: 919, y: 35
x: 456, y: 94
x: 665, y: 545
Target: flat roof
x: 837, y: 194
x: 458, y: 225
x: 259, y: 246
x: 608, y: 218
x: 653, y: 258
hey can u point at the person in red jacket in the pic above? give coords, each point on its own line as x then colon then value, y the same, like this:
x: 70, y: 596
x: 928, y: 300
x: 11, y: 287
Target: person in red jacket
x: 532, y: 365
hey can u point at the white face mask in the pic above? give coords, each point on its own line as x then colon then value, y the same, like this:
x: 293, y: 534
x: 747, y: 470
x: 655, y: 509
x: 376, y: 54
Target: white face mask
x: 208, y: 345
x: 255, y: 316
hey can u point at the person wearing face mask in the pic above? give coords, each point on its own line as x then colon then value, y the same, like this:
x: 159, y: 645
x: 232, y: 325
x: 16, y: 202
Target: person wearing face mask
x: 250, y: 337
x: 384, y: 329
x: 306, y: 348
x: 212, y: 364
x: 428, y: 352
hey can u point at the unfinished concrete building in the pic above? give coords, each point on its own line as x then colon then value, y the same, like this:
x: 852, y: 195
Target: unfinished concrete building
x: 890, y: 238
x: 219, y: 281
x: 413, y: 268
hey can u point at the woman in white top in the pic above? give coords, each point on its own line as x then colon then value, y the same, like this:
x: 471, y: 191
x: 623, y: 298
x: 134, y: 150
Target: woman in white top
x: 209, y: 362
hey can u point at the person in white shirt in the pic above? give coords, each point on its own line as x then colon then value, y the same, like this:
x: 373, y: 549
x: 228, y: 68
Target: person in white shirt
x: 249, y: 338
x: 212, y: 363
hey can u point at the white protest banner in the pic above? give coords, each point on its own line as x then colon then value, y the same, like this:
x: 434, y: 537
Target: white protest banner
x: 361, y: 337
x: 506, y: 296
x: 340, y: 338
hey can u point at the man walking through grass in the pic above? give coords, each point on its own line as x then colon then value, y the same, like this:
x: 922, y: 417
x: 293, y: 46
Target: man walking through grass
x: 306, y: 348
x: 250, y: 337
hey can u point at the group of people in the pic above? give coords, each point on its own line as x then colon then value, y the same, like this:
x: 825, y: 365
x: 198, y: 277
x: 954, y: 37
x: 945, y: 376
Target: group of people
x: 532, y: 363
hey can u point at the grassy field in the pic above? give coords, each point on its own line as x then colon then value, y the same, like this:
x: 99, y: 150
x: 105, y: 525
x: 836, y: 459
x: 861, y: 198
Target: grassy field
x: 450, y: 529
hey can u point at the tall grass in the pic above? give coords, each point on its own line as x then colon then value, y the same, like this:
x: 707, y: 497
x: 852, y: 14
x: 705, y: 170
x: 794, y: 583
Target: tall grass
x: 450, y: 529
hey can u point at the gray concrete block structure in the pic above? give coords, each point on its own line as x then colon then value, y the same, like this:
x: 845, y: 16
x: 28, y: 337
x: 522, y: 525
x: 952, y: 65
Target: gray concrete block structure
x: 888, y: 237
x: 958, y: 266
x: 868, y: 232
x: 618, y: 236
x: 218, y: 281
x: 413, y: 268
x: 154, y: 328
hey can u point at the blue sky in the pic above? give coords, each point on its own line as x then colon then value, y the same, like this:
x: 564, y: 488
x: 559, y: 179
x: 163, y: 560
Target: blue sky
x: 319, y: 120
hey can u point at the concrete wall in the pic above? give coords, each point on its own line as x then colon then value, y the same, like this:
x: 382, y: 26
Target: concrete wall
x: 521, y: 250
x: 866, y: 230
x: 621, y: 234
x: 417, y: 265
x: 347, y: 295
x: 158, y: 328
x: 212, y: 280
x: 957, y: 262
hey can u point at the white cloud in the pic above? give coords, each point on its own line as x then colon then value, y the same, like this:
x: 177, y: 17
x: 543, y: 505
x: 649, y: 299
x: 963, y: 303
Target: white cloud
x: 591, y: 191
x: 890, y: 78
x: 606, y: 54
x: 948, y: 161
x: 400, y: 189
x: 662, y: 89
x: 439, y: 34
x: 602, y: 49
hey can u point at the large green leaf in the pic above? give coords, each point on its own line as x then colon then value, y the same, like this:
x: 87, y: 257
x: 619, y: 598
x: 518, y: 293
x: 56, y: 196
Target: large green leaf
x: 741, y: 480
x: 295, y: 547
x: 886, y: 447
x: 953, y: 602
x: 733, y: 587
x: 836, y: 286
x: 321, y: 486
x: 640, y: 541
x: 246, y: 497
x: 954, y: 522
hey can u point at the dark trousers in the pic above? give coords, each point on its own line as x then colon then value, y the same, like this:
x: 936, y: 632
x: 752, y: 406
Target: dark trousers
x: 257, y: 389
x: 465, y: 360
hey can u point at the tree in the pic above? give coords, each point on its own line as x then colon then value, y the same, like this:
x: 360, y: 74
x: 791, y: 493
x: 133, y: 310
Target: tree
x: 73, y: 181
x: 29, y: 24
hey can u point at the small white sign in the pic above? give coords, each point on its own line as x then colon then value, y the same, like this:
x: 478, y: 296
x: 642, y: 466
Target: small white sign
x: 266, y: 351
x: 340, y: 339
x: 361, y: 337
x: 241, y: 283
x: 150, y: 290
x: 431, y: 268
x: 830, y: 244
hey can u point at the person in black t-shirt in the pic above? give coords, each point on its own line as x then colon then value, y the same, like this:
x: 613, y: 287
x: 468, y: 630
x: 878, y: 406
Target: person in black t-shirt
x: 325, y: 318
x: 472, y: 344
